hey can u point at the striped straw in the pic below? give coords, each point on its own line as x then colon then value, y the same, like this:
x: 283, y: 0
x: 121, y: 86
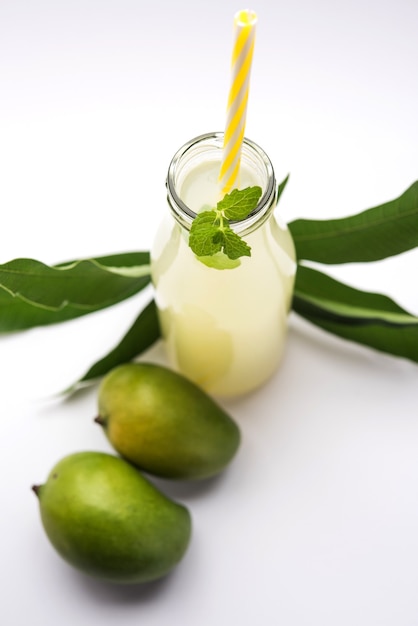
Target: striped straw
x: 242, y: 54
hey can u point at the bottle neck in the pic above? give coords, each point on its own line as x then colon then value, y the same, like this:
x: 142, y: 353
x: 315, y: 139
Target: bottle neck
x: 196, y: 164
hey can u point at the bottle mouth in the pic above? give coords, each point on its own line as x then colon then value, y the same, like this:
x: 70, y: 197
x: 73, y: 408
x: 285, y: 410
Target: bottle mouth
x: 209, y: 147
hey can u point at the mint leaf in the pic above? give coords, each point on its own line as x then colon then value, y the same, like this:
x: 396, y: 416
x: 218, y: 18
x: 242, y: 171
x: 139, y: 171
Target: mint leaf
x: 219, y: 261
x: 232, y: 244
x: 211, y: 234
x: 238, y: 204
x: 203, y: 231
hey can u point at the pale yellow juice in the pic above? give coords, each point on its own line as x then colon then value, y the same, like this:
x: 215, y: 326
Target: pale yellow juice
x: 224, y: 328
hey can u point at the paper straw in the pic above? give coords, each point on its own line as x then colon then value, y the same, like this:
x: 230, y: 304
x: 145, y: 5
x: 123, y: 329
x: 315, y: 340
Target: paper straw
x: 242, y: 55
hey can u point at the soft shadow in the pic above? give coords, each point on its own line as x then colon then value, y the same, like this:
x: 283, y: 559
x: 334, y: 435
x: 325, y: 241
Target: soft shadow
x: 339, y: 349
x: 187, y: 490
x: 51, y: 404
x: 117, y: 593
x: 67, y: 397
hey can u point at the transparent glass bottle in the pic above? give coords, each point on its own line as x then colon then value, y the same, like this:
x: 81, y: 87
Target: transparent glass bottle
x: 224, y: 329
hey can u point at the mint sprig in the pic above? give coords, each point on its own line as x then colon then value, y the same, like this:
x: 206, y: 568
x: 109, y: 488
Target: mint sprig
x: 211, y: 232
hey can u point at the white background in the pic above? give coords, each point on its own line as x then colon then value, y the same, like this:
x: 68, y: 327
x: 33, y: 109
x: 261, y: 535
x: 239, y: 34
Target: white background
x: 316, y: 521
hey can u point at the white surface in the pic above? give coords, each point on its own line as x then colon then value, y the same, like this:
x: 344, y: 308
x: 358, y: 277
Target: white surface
x: 316, y: 521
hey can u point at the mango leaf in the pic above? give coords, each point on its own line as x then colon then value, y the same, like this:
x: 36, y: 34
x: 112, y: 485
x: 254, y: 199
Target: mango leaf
x: 378, y: 233
x: 367, y: 318
x: 34, y: 294
x: 281, y: 187
x: 141, y: 335
x: 17, y: 315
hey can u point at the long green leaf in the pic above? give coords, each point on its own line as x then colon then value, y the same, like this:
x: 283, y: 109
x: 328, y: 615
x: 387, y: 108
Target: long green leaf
x: 17, y: 315
x: 378, y: 233
x: 367, y: 318
x: 143, y: 333
x: 34, y: 294
x: 281, y: 187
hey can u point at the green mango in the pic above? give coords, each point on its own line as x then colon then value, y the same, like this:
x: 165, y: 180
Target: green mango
x: 106, y: 519
x: 165, y: 424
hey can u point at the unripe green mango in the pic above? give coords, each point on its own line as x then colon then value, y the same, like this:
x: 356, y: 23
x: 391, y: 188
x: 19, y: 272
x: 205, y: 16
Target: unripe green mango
x: 165, y: 424
x: 106, y: 519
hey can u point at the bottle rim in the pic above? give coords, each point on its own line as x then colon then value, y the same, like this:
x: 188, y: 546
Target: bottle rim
x: 185, y: 216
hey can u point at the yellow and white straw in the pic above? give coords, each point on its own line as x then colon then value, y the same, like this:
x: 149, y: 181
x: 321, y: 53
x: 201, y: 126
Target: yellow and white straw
x: 242, y: 55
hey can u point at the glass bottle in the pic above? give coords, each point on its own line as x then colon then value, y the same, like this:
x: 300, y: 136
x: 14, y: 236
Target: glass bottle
x: 224, y: 329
